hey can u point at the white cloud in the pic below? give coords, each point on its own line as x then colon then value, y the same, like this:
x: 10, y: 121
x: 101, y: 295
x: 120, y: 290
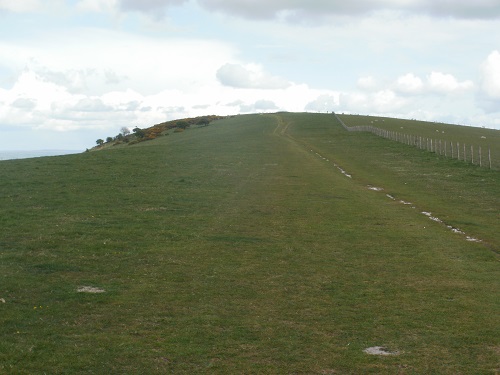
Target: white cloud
x: 98, y: 6
x: 367, y: 83
x: 149, y: 5
x: 387, y: 101
x: 265, y: 105
x: 250, y: 76
x: 93, y: 61
x: 30, y: 85
x: 24, y: 103
x: 409, y: 84
x: 39, y: 104
x: 488, y: 97
x: 91, y: 105
x: 323, y: 103
x: 41, y: 100
x: 490, y: 76
x: 32, y: 6
x: 447, y: 83
x: 259, y: 106
x: 436, y: 83
x: 123, y: 99
x: 383, y: 101
x: 21, y: 6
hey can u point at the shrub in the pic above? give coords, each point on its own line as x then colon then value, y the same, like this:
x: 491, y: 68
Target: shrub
x: 139, y: 132
x: 183, y: 124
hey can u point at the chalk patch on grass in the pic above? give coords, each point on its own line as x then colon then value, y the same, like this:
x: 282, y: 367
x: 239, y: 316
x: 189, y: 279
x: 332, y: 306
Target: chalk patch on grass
x: 374, y: 188
x: 405, y: 202
x: 345, y: 173
x: 89, y: 289
x: 2, y: 300
x: 472, y: 239
x: 334, y: 164
x: 342, y: 171
x: 379, y: 350
x: 455, y: 230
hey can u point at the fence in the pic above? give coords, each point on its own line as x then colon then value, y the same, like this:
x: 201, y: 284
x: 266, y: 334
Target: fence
x: 455, y: 150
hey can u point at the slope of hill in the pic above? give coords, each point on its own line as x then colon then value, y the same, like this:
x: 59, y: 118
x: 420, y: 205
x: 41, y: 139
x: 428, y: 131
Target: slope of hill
x: 126, y: 138
x: 474, y: 145
x: 275, y: 243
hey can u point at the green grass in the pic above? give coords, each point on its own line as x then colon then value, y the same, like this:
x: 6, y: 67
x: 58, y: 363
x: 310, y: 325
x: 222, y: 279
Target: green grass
x: 235, y: 248
x: 487, y: 139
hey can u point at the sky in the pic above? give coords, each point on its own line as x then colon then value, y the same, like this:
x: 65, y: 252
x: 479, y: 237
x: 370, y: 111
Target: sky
x: 74, y: 71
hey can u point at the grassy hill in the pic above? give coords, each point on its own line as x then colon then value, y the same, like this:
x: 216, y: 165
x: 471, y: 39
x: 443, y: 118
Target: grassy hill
x: 268, y: 244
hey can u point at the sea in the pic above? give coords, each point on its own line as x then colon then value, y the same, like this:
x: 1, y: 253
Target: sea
x: 9, y: 155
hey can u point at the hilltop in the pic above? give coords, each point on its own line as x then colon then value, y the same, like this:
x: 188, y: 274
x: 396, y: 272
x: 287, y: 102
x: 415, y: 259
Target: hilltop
x: 467, y: 143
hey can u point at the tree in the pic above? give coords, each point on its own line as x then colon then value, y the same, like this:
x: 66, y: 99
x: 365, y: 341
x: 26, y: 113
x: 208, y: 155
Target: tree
x: 203, y: 121
x: 109, y: 139
x: 139, y: 132
x: 99, y: 142
x: 182, y: 124
x: 125, y: 131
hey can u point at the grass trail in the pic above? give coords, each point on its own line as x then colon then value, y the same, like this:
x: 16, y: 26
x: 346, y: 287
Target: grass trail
x: 235, y: 249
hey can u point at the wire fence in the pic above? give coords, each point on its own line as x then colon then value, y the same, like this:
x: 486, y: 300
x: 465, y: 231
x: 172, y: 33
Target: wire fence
x: 461, y: 151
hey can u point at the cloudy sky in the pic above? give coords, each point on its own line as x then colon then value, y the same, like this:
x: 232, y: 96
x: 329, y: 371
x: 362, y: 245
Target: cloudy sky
x: 73, y: 71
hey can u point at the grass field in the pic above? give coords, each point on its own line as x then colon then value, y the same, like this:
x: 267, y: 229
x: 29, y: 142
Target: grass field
x: 487, y: 139
x: 242, y: 248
